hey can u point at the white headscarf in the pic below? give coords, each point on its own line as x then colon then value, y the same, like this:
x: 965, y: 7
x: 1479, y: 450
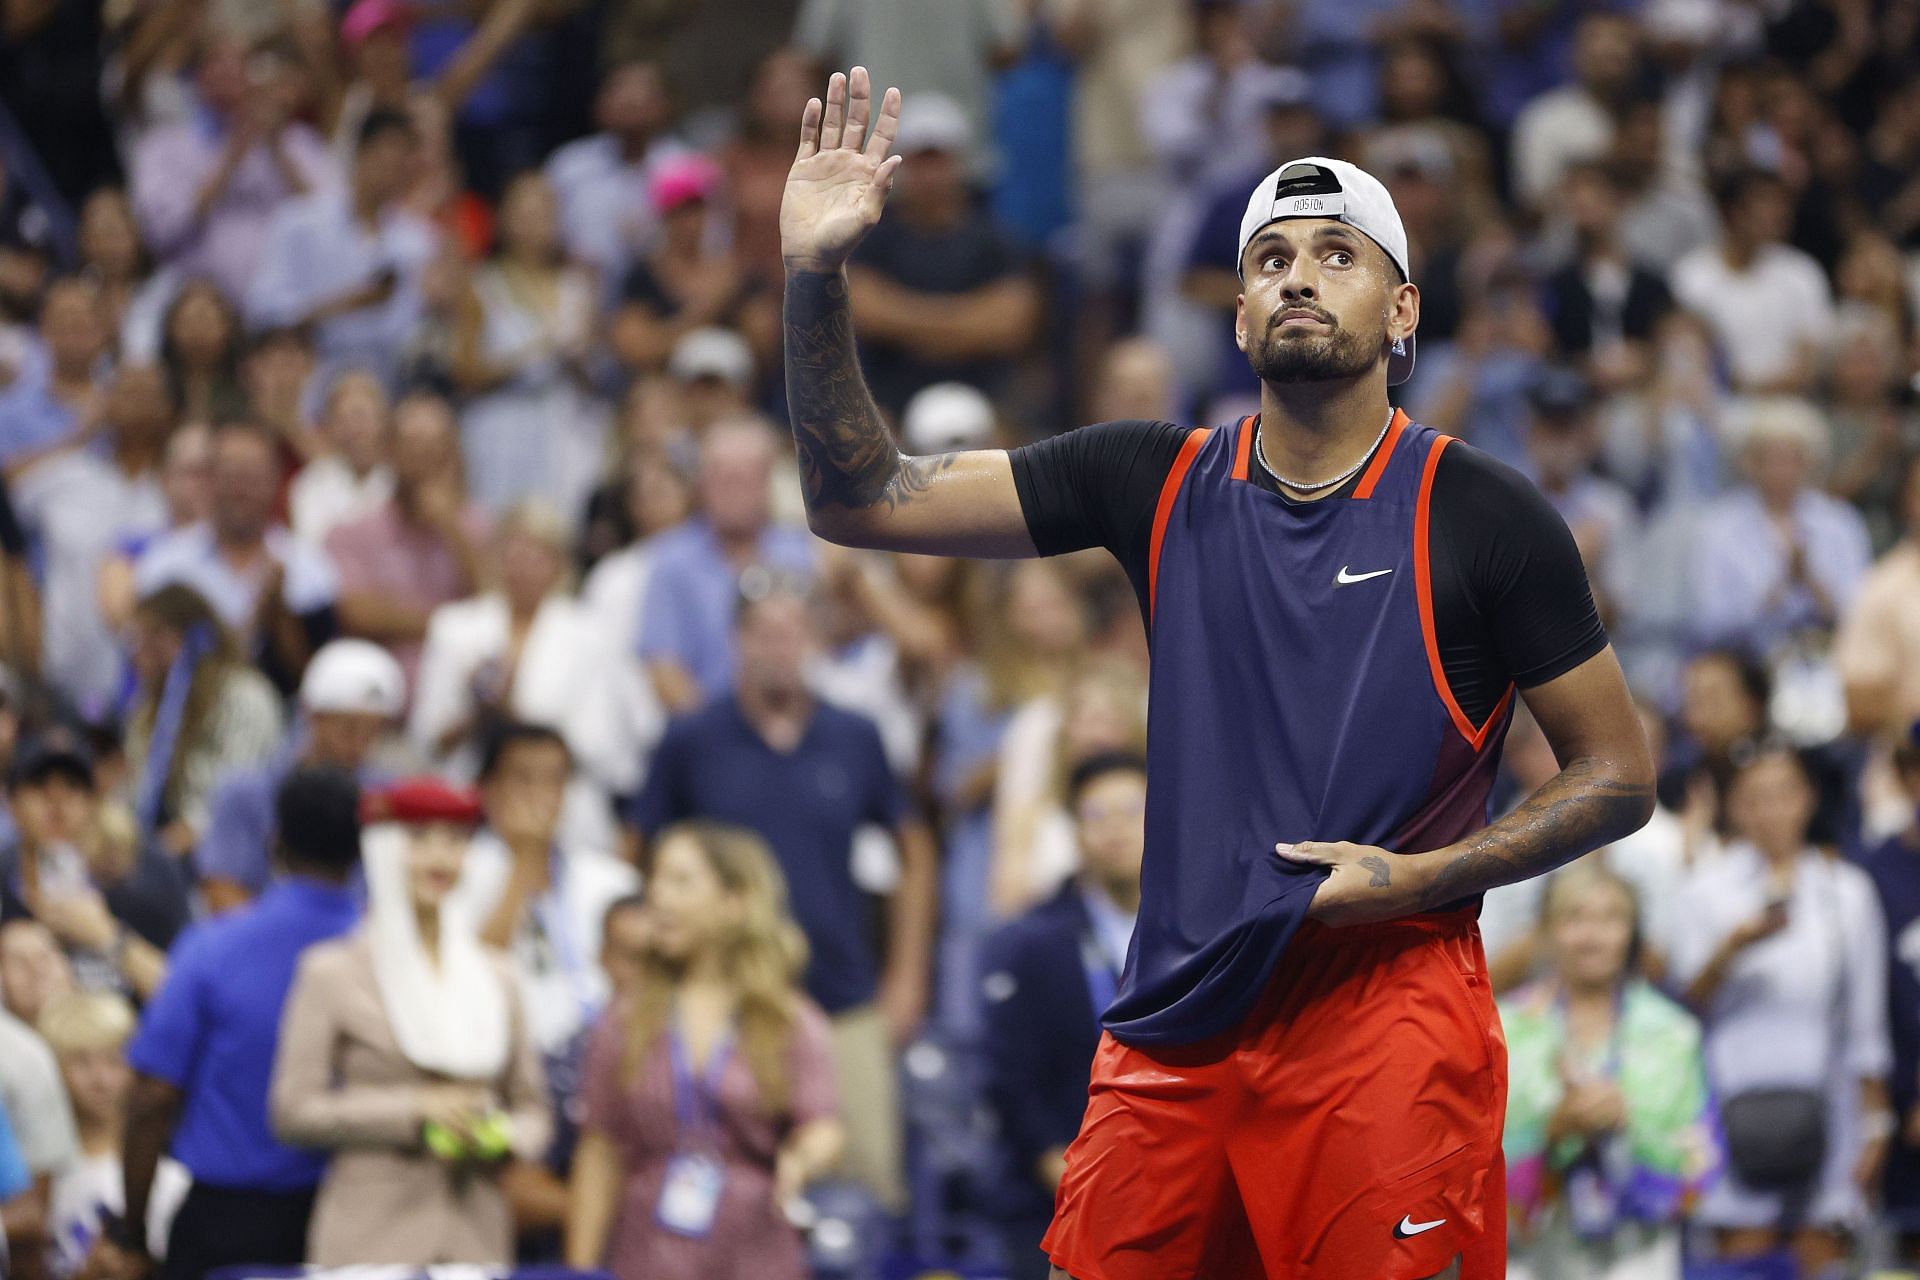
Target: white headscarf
x: 449, y: 1018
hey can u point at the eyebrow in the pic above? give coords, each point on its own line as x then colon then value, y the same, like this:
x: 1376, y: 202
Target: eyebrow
x: 1326, y: 231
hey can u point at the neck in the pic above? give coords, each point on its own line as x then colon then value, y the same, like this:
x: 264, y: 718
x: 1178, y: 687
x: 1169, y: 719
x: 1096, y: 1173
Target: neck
x: 100, y: 1136
x: 428, y: 920
x: 135, y: 457
x: 762, y: 703
x: 1123, y: 893
x: 706, y: 971
x: 366, y: 207
x: 523, y: 609
x: 1778, y: 855
x: 238, y: 542
x: 72, y: 379
x: 1738, y: 253
x: 1590, y: 997
x: 1314, y: 431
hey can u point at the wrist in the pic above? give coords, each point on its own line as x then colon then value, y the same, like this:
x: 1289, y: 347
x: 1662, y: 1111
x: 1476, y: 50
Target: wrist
x: 802, y: 265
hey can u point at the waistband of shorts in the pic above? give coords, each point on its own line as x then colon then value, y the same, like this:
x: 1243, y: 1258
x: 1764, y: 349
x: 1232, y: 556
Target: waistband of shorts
x: 1455, y: 923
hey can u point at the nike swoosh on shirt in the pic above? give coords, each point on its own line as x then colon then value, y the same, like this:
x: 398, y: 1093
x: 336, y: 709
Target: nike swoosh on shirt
x: 1408, y: 1227
x: 1346, y: 577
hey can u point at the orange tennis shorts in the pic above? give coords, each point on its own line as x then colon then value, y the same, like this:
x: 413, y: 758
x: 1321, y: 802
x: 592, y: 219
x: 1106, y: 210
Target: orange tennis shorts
x: 1348, y: 1129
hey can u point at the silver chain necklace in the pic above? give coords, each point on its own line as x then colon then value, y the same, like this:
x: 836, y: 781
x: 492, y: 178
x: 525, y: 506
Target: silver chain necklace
x: 1317, y: 485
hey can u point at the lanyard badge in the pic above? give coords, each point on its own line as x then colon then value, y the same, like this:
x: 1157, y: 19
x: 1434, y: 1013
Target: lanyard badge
x: 690, y: 1193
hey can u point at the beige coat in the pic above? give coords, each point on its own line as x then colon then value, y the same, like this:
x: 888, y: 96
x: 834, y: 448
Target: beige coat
x: 340, y: 1082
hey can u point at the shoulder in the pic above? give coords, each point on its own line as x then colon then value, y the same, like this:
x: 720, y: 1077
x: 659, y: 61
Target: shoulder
x: 580, y: 158
x: 1649, y: 1012
x: 1039, y: 928
x: 1472, y: 474
x: 336, y: 961
x: 1477, y: 495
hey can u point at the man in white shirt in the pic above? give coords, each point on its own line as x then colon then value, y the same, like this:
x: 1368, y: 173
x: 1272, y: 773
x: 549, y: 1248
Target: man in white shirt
x: 1575, y: 121
x: 606, y: 216
x: 1768, y: 303
x: 350, y: 262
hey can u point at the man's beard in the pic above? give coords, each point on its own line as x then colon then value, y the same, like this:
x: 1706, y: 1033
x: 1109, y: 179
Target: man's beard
x: 1313, y: 357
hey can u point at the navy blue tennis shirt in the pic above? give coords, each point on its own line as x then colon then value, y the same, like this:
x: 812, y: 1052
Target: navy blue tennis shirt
x: 806, y: 803
x: 213, y: 1027
x: 1342, y: 669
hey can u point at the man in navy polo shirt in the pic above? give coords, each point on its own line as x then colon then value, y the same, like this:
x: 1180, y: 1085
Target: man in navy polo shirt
x: 771, y: 757
x: 203, y: 1056
x: 1895, y: 868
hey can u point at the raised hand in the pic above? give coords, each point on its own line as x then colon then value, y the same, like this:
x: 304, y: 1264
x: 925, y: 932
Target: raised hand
x: 840, y: 178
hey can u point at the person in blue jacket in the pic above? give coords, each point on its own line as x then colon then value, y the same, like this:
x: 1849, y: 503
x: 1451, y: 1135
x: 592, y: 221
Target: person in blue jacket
x: 1047, y: 977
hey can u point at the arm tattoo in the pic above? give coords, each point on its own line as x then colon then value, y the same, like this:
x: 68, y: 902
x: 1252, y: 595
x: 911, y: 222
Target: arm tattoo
x: 847, y: 458
x: 1575, y: 813
x: 1382, y: 874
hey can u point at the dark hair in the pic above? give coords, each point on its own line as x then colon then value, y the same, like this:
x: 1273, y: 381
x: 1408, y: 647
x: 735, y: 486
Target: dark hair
x: 625, y: 902
x: 380, y: 122
x: 1754, y: 679
x: 516, y: 733
x: 1096, y: 767
x: 317, y: 819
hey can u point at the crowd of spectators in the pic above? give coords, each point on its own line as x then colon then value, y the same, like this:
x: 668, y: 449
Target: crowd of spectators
x: 392, y: 428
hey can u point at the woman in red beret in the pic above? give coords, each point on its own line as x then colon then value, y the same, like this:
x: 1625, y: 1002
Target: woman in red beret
x: 404, y: 1050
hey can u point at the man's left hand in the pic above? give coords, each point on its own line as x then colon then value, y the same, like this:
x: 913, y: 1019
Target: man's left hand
x: 1366, y: 884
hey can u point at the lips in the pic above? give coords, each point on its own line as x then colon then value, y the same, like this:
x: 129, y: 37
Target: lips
x: 1296, y: 315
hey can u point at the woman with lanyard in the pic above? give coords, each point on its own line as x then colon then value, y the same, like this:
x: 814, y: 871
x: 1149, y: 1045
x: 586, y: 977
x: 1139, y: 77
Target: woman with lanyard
x: 709, y: 1095
x: 1609, y: 1133
x: 404, y: 1048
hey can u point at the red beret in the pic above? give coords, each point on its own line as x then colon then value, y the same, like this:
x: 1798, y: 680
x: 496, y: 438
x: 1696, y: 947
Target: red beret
x: 421, y: 799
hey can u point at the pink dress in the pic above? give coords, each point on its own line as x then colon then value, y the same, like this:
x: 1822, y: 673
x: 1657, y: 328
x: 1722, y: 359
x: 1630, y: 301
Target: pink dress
x: 750, y: 1236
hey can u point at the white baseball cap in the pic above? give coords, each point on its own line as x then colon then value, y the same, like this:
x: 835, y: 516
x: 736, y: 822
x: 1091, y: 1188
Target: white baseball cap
x: 1318, y: 187
x: 354, y: 677
x: 944, y: 416
x: 713, y: 352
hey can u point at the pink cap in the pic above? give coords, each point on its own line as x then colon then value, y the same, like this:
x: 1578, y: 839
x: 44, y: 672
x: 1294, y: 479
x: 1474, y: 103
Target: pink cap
x: 680, y: 180
x: 369, y: 16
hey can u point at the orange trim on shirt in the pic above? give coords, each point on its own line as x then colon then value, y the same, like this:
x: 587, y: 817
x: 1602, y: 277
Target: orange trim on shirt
x: 1378, y: 467
x: 1243, y: 448
x: 1423, y: 590
x: 1163, y: 510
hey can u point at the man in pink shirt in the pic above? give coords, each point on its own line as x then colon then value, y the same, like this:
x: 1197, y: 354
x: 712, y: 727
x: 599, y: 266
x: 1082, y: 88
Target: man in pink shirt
x: 421, y: 548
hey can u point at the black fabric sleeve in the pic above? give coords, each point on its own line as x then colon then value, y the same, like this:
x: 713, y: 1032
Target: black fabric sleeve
x: 1510, y: 594
x: 1097, y: 487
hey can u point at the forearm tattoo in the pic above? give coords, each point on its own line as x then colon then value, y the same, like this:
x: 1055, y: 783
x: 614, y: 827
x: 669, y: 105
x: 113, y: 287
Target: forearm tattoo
x: 847, y: 458
x: 1575, y: 813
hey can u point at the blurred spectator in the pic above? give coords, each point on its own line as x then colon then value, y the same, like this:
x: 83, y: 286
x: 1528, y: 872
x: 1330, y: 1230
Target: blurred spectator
x: 1777, y: 557
x: 23, y: 1212
x: 1785, y: 960
x: 1604, y: 306
x: 1768, y: 302
x: 1877, y: 654
x: 198, y: 711
x: 692, y: 279
x: 1667, y: 213
x: 710, y: 1098
x: 1723, y: 720
x: 1476, y: 386
x: 928, y: 49
x: 1289, y: 128
x: 405, y: 1051
x: 1135, y: 381
x: 272, y: 591
x: 351, y: 694
x: 282, y: 392
x: 1101, y: 708
x: 1048, y: 977
x: 807, y: 776
x: 82, y: 504
x: 115, y: 903
x: 939, y: 292
x: 1344, y: 42
x: 348, y: 262
x: 116, y: 263
x: 755, y: 161
x: 37, y: 413
x: 1609, y: 1118
x: 1574, y: 122
x: 200, y: 350
x: 624, y: 938
x: 603, y: 183
x: 1203, y: 115
x: 203, y: 1056
x: 519, y: 355
x: 33, y: 1098
x: 27, y: 252
x: 206, y: 188
x: 88, y: 1033
x: 528, y: 650
x: 422, y: 547
x: 1662, y: 434
x: 33, y: 969
x: 713, y: 374
x: 352, y: 475
x: 1563, y: 446
x: 686, y: 618
x: 1895, y: 868
x: 186, y: 485
x: 654, y: 497
x: 1875, y: 431
x: 540, y: 894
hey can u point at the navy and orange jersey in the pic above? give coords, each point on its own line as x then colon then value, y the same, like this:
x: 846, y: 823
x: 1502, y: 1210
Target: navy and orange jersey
x: 1342, y: 669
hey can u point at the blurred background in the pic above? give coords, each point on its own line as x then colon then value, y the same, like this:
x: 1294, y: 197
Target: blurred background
x: 395, y: 388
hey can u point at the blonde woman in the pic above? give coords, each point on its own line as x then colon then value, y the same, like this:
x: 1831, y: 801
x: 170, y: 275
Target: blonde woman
x: 405, y: 1051
x: 709, y: 1094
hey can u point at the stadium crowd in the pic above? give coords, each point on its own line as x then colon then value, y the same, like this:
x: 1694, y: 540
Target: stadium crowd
x: 455, y: 811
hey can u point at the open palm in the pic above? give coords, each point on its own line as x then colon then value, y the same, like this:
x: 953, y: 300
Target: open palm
x: 840, y: 178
